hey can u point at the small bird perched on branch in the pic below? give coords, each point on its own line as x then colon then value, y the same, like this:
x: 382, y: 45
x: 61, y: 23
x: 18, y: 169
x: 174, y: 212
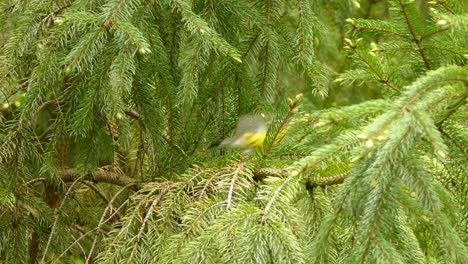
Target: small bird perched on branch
x: 250, y: 133
x: 251, y: 130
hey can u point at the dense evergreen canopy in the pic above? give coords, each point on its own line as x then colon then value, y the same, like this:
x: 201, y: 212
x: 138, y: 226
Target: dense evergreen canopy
x: 112, y: 113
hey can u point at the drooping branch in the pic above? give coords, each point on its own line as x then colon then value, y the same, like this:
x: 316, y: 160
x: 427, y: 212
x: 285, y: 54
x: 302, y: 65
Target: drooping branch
x: 261, y: 174
x: 382, y: 78
x: 135, y: 115
x: 417, y: 39
x: 69, y: 175
x: 452, y: 109
x: 326, y: 181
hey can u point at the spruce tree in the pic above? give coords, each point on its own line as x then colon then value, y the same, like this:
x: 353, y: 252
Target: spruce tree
x: 112, y: 113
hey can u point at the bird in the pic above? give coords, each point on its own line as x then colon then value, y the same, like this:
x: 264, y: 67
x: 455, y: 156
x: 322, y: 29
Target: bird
x: 250, y: 133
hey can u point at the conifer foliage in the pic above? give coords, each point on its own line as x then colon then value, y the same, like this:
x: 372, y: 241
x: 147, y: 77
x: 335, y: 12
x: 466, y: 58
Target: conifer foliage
x: 111, y: 113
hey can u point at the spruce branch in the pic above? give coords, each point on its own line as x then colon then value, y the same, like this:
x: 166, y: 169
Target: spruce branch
x: 452, y: 109
x: 152, y: 207
x: 148, y: 214
x: 98, y: 191
x: 266, y: 62
x: 433, y: 33
x: 381, y: 77
x: 133, y: 216
x: 445, y: 6
x: 251, y: 45
x: 455, y: 21
x: 416, y: 39
x: 76, y: 18
x: 429, y: 131
x: 458, y: 144
x: 372, y: 25
x: 302, y: 26
x: 336, y: 116
x: 378, y: 211
x: 231, y: 187
x: 284, y: 122
x: 326, y: 181
x: 201, y: 193
x: 83, y: 53
x: 274, y: 196
x: 197, y: 25
x: 40, y: 179
x: 101, y: 223
x: 122, y: 10
x: 57, y: 215
x: 451, y: 50
x: 135, y: 115
x: 135, y: 35
x: 70, y: 175
x: 262, y: 173
x: 312, y: 68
